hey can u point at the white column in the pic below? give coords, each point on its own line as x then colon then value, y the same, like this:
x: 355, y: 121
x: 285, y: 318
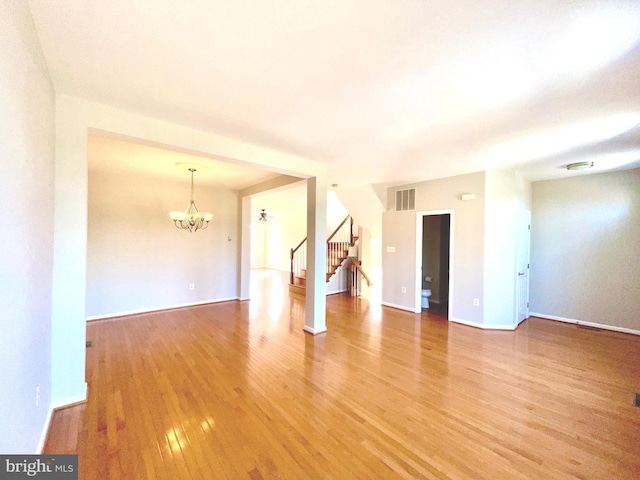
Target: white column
x: 68, y: 324
x: 316, y: 294
x: 245, y: 248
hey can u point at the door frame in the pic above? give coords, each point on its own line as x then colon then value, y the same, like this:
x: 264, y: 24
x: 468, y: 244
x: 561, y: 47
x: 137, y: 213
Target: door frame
x: 418, y: 273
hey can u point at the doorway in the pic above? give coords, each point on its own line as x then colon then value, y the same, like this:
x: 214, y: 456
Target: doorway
x: 434, y: 253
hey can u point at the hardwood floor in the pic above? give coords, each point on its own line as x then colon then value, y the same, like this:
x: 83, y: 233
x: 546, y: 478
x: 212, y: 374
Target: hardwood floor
x: 238, y: 390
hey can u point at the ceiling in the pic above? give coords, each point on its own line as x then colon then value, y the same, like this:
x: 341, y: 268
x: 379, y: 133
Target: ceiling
x: 124, y: 156
x: 384, y: 92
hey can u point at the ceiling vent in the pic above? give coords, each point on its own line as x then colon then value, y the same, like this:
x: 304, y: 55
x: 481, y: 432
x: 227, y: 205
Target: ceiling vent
x: 406, y: 199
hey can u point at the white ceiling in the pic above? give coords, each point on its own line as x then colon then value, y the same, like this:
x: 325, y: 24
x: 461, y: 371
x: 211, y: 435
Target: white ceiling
x: 119, y: 155
x: 385, y: 92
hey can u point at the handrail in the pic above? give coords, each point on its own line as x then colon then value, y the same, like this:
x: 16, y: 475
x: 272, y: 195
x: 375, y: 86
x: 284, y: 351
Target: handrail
x: 339, y: 227
x: 294, y: 250
x: 336, y: 251
x: 364, y: 275
x: 293, y: 256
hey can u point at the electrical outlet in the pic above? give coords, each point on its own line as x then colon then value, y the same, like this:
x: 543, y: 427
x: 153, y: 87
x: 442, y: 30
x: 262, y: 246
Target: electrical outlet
x: 404, y: 289
x: 37, y: 395
x: 476, y: 302
x: 192, y: 286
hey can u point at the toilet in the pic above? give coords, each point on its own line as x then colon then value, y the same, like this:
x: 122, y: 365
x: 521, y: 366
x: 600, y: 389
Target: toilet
x: 426, y: 293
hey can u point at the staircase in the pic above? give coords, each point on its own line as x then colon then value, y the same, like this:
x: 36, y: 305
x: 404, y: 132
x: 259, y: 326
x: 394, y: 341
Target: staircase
x: 338, y: 244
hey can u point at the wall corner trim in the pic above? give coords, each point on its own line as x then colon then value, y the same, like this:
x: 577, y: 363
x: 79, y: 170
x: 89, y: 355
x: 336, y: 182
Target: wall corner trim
x: 312, y: 331
x: 398, y: 307
x: 602, y: 326
x: 158, y: 309
x: 482, y: 326
x: 45, y: 431
x: 57, y: 405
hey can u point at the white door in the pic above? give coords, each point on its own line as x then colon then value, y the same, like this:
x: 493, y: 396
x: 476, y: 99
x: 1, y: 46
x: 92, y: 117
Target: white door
x: 522, y: 264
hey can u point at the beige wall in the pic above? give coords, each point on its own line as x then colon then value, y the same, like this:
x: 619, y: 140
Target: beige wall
x: 399, y: 231
x: 585, y: 248
x: 27, y: 150
x: 484, y: 245
x: 136, y: 258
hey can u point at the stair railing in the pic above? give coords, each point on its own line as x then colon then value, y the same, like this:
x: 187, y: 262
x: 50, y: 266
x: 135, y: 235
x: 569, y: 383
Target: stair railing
x: 298, y: 260
x: 337, y: 243
x: 355, y: 267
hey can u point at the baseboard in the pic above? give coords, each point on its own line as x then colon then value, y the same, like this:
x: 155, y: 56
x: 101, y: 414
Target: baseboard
x: 313, y: 331
x: 586, y: 324
x: 45, y: 431
x: 157, y: 309
x: 286, y: 270
x: 57, y: 405
x: 482, y: 326
x: 338, y: 292
x: 398, y: 307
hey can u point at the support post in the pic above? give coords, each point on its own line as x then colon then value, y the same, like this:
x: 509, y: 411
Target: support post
x: 244, y: 254
x: 316, y: 293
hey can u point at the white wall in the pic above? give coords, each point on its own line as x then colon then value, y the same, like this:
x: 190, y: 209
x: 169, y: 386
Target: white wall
x: 271, y: 241
x: 68, y: 329
x: 286, y: 227
x: 505, y: 194
x: 585, y: 248
x: 366, y: 204
x: 399, y: 231
x: 259, y: 245
x: 27, y: 143
x: 363, y: 205
x: 371, y: 257
x: 138, y: 260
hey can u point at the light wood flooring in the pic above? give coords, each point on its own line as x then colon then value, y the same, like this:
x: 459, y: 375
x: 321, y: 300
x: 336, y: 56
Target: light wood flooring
x: 237, y: 390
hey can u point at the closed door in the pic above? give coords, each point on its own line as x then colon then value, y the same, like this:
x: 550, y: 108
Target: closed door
x: 522, y: 264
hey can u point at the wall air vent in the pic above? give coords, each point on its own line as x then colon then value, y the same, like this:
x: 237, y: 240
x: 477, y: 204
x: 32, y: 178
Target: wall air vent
x: 406, y: 199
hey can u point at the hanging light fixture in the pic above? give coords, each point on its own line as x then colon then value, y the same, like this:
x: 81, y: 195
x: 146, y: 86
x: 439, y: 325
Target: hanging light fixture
x: 191, y: 219
x: 579, y: 166
x: 263, y: 216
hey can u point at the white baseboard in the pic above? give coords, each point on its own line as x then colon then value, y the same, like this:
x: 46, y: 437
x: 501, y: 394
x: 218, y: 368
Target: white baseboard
x: 399, y: 307
x: 313, y: 331
x: 157, y: 309
x: 45, y: 431
x: 336, y: 292
x: 56, y: 405
x: 602, y: 326
x: 482, y: 326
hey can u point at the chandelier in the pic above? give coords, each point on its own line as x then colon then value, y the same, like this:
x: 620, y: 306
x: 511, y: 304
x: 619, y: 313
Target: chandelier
x: 191, y: 219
